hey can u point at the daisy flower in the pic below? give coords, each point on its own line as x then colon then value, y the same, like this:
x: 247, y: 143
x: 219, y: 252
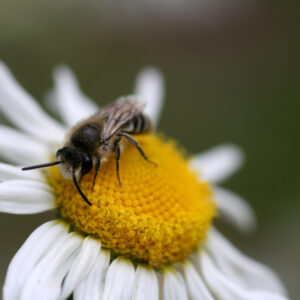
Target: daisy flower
x: 151, y: 238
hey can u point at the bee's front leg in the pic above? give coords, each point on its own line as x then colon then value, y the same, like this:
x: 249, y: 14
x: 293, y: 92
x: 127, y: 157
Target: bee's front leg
x: 97, y: 166
x: 118, y: 153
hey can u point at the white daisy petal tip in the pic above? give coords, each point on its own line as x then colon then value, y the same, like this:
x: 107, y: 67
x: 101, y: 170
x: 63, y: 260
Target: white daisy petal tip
x: 64, y: 75
x: 67, y: 98
x: 235, y: 210
x: 225, y: 287
x: 150, y: 87
x: 239, y: 269
x: 218, y: 163
x: 62, y: 70
x: 25, y: 112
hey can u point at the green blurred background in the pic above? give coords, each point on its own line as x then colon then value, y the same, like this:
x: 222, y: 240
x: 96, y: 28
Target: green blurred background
x: 232, y: 75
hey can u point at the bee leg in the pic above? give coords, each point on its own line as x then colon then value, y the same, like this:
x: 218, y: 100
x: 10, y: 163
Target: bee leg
x: 118, y: 152
x: 79, y: 189
x: 96, y: 170
x: 130, y: 139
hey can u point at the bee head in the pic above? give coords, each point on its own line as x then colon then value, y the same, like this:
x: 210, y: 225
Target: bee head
x: 73, y: 160
x: 73, y: 164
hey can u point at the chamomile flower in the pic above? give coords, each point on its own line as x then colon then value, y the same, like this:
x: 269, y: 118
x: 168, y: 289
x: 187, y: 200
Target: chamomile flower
x: 151, y: 238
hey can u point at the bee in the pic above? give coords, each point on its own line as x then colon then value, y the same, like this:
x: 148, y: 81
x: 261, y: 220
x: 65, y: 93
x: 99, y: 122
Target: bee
x: 93, y: 140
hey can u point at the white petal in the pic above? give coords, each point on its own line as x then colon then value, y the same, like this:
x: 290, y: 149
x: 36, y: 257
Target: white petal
x: 146, y: 284
x: 219, y: 163
x: 82, y: 265
x: 28, y: 198
x: 234, y: 209
x: 46, y: 279
x: 196, y: 287
x: 37, y: 244
x: 240, y: 268
x: 263, y: 295
x: 174, y: 286
x: 24, y: 112
x: 119, y: 280
x: 18, y: 148
x: 149, y: 87
x: 72, y: 104
x: 22, y: 183
x: 93, y: 285
x: 226, y: 289
x: 8, y: 172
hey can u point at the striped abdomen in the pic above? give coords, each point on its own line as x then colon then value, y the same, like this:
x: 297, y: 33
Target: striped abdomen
x: 138, y: 124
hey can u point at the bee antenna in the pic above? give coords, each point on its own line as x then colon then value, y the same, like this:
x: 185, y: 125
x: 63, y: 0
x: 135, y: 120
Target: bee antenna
x: 42, y: 165
x: 79, y: 189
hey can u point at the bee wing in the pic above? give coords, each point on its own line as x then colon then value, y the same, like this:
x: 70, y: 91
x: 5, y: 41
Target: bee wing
x: 117, y: 114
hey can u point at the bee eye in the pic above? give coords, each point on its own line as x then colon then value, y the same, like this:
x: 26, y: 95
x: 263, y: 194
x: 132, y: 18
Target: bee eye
x: 86, y: 166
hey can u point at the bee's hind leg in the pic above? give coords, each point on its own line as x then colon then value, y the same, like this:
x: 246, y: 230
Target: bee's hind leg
x: 130, y: 139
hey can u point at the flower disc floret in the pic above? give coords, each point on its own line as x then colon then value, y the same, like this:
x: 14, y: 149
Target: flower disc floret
x: 159, y: 215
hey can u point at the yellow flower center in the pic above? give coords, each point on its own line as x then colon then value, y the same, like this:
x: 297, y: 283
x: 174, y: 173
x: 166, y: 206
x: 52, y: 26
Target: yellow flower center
x: 159, y: 215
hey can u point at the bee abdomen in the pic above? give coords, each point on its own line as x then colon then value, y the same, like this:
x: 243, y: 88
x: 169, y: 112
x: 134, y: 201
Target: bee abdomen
x: 138, y: 124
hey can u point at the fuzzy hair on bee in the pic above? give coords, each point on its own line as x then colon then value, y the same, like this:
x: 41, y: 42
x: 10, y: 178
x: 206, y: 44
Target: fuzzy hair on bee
x: 91, y: 141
